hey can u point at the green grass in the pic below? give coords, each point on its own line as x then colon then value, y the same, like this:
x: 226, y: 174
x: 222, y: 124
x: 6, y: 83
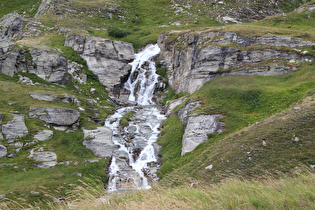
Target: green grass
x: 171, y: 95
x: 124, y: 121
x: 68, y: 147
x: 293, y: 192
x: 302, y: 22
x: 245, y: 100
x: 19, y: 6
x: 171, y: 142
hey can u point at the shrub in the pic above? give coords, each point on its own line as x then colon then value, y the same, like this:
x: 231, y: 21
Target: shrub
x: 117, y: 32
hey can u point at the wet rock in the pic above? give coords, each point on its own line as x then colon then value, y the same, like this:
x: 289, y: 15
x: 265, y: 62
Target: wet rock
x: 99, y: 141
x: 15, y: 128
x: 197, y: 129
x: 43, y: 135
x: 56, y: 116
x: 48, y: 159
x: 3, y: 151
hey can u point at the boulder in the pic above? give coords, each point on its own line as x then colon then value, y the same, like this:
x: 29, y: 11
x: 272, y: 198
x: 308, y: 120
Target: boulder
x: 48, y: 159
x: 51, y: 97
x: 43, y: 135
x: 43, y: 7
x: 77, y: 72
x: 197, y: 129
x: 106, y: 58
x: 50, y: 66
x: 43, y: 96
x: 99, y: 141
x: 15, y: 128
x: 56, y: 116
x: 25, y: 80
x: 11, y: 26
x: 173, y: 104
x: 3, y: 151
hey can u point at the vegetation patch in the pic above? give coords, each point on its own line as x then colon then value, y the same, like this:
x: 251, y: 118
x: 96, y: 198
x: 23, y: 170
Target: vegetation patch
x: 124, y: 121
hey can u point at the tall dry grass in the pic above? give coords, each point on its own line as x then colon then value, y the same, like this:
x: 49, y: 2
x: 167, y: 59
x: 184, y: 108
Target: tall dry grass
x: 297, y: 192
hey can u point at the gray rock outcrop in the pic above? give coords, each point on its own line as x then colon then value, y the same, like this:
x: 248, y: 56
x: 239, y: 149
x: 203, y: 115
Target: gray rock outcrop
x: 11, y: 26
x: 99, y: 141
x: 106, y: 58
x: 56, y: 116
x: 44, y: 97
x: 50, y: 66
x: 197, y: 57
x: 77, y: 72
x: 3, y: 151
x: 197, y: 127
x: 51, y: 97
x: 43, y: 7
x: 196, y: 131
x: 43, y: 135
x: 14, y: 27
x: 102, y: 9
x: 15, y: 128
x: 47, y: 159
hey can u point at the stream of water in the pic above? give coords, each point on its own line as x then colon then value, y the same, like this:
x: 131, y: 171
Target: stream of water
x: 134, y: 162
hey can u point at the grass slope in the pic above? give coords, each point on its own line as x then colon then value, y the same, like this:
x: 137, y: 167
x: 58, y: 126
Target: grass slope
x: 18, y: 175
x: 244, y: 101
x: 296, y: 192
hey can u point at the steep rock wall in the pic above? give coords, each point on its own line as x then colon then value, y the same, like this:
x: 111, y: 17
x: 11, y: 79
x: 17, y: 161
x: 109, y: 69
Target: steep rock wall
x: 106, y: 58
x: 194, y: 58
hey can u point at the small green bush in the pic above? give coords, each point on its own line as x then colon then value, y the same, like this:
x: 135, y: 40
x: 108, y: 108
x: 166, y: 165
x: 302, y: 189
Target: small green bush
x: 117, y: 32
x: 124, y: 120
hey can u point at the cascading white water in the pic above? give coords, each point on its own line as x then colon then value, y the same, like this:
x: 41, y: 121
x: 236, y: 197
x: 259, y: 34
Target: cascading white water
x: 146, y: 78
x: 134, y: 144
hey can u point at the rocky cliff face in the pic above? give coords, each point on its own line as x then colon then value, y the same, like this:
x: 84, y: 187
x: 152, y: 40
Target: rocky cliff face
x: 197, y: 57
x: 242, y: 10
x: 48, y: 65
x: 106, y: 58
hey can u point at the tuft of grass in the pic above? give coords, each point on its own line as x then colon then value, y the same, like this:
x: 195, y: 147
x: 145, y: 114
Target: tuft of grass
x: 171, y: 142
x: 124, y: 121
x: 171, y: 95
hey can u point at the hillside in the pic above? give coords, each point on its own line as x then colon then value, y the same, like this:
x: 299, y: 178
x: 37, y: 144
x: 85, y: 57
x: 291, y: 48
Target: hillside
x: 237, y: 90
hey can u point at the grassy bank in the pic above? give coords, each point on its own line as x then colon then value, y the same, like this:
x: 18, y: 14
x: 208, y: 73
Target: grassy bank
x: 245, y: 101
x: 296, y: 192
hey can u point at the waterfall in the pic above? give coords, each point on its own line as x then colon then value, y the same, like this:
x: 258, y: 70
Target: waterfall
x: 135, y: 144
x: 146, y: 77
